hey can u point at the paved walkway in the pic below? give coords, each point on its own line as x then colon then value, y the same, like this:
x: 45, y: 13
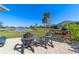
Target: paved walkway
x: 59, y: 48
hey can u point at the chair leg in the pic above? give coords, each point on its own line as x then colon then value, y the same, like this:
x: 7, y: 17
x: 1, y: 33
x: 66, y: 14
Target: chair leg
x: 32, y: 48
x: 22, y: 49
x: 51, y: 44
x: 16, y: 46
x: 45, y: 46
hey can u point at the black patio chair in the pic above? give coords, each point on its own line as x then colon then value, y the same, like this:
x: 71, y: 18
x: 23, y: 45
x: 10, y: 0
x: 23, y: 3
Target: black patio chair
x: 49, y: 39
x: 27, y: 42
x: 45, y: 40
x: 2, y: 41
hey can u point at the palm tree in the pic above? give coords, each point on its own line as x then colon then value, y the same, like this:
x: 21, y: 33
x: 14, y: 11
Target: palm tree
x: 45, y: 19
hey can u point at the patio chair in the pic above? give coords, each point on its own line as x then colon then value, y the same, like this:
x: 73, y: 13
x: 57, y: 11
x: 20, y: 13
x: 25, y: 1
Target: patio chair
x: 27, y: 42
x: 2, y: 41
x: 49, y: 39
x: 45, y: 40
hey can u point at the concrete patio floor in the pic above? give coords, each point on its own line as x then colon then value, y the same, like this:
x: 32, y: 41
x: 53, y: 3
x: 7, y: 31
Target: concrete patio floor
x: 59, y: 48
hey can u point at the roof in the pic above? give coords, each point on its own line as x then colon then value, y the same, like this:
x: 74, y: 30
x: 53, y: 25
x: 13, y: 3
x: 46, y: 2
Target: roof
x: 3, y: 8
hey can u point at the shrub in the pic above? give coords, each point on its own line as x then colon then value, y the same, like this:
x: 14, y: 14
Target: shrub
x: 74, y: 29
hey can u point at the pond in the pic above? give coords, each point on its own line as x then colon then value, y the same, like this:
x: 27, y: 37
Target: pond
x: 20, y: 30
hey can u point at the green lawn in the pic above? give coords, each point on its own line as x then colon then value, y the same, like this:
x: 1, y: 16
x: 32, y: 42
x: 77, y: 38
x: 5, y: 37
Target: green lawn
x: 40, y: 32
x: 37, y: 33
x: 11, y: 34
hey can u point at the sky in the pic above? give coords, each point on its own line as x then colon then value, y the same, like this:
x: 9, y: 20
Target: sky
x: 31, y: 14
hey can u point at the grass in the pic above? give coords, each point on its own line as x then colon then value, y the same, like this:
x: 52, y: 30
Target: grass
x: 11, y: 34
x: 40, y: 32
x: 37, y: 33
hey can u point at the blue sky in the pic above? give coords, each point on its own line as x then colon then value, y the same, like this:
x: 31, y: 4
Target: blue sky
x: 29, y: 14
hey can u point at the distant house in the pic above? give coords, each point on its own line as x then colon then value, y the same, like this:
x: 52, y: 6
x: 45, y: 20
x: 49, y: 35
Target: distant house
x: 3, y: 8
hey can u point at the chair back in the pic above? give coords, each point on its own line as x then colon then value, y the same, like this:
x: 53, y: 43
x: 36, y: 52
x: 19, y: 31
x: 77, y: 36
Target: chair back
x: 48, y: 34
x: 27, y: 39
x: 28, y: 35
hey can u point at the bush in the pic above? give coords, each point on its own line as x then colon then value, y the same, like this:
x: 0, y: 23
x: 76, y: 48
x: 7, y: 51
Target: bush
x: 74, y: 29
x: 54, y: 27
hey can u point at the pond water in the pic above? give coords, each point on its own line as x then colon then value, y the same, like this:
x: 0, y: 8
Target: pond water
x: 20, y: 30
x: 14, y: 30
